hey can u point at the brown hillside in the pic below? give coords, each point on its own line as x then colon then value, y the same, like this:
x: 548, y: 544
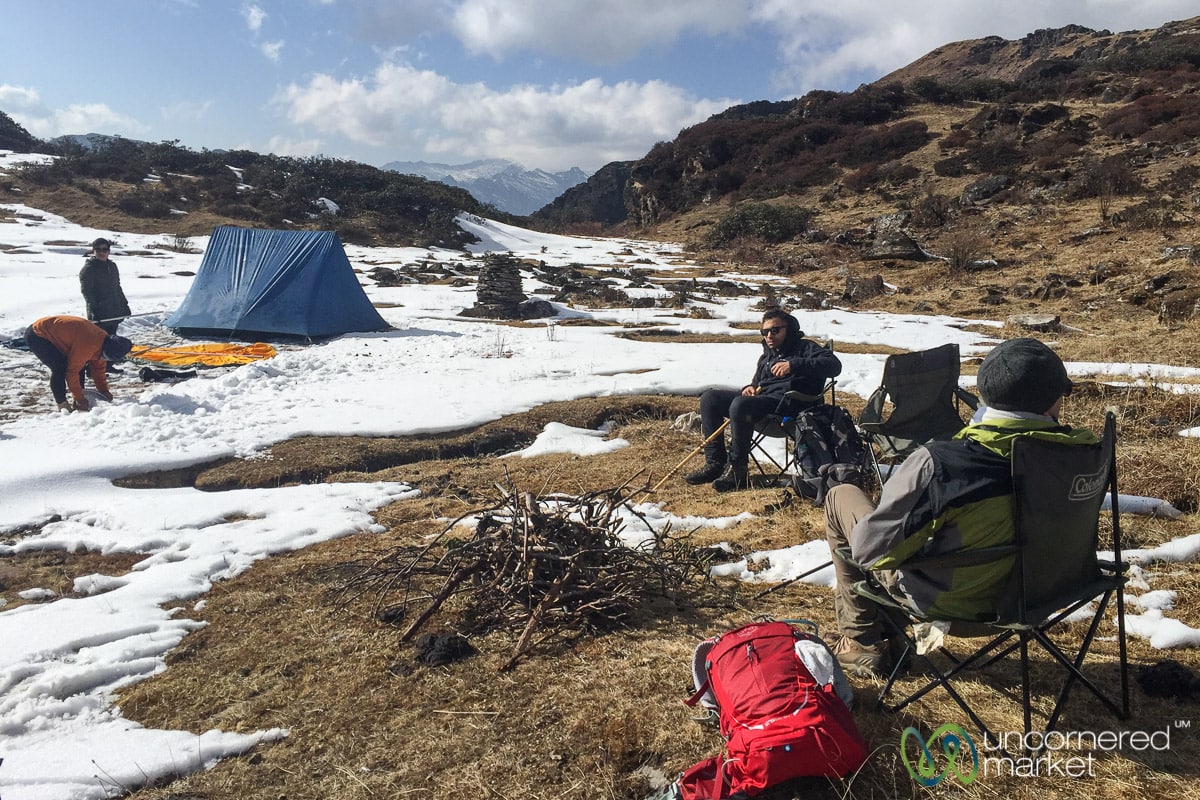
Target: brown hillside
x: 1002, y: 59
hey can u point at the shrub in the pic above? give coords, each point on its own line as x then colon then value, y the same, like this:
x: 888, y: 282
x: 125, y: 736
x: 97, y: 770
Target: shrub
x: 964, y: 247
x: 1162, y: 114
x: 143, y: 203
x: 932, y: 210
x: 1162, y: 215
x: 1107, y: 178
x: 763, y: 221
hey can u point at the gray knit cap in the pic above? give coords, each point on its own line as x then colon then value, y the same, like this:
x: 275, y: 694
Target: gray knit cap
x: 1022, y: 375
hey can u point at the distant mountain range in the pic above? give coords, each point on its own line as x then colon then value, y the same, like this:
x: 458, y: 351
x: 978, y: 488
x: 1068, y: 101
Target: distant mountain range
x: 505, y: 184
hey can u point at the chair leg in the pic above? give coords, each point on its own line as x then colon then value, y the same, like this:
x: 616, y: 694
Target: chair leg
x: 1123, y: 654
x: 1074, y: 669
x: 1026, y: 700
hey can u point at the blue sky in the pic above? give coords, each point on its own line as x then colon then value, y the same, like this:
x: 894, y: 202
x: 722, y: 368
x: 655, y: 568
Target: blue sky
x: 548, y: 83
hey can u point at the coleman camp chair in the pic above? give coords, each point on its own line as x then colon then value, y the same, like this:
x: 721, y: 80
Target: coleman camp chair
x: 1058, y: 492
x: 925, y: 398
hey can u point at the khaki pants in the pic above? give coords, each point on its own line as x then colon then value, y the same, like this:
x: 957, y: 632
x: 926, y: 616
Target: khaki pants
x: 857, y: 617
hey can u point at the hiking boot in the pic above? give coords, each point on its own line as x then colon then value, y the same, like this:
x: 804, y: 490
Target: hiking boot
x: 859, y: 660
x: 706, y: 474
x: 734, y: 477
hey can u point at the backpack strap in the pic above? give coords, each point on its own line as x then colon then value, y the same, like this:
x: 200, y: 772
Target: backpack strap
x: 701, y: 679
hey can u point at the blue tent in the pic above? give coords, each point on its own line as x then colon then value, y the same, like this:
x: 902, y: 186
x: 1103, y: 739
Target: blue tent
x: 296, y: 283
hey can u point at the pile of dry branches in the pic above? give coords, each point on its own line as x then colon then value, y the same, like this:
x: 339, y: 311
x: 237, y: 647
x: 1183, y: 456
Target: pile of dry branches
x: 547, y: 566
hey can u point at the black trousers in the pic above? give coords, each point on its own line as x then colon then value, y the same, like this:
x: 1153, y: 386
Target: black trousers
x: 742, y: 411
x: 53, y: 358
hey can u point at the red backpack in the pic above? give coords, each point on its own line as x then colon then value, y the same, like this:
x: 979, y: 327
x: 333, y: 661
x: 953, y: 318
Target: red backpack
x: 778, y: 720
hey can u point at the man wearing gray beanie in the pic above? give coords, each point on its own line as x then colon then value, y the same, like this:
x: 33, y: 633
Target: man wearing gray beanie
x: 945, y: 496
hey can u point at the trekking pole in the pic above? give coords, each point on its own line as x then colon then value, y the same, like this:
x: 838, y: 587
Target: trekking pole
x: 128, y: 316
x: 675, y: 468
x: 790, y: 581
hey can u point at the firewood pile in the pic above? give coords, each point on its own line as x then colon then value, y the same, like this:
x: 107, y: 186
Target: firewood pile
x: 548, y: 566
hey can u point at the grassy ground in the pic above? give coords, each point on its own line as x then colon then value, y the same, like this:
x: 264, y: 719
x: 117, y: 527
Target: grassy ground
x: 597, y: 716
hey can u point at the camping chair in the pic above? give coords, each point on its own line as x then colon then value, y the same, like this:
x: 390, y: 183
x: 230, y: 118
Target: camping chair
x: 779, y: 425
x: 1058, y: 492
x: 926, y: 401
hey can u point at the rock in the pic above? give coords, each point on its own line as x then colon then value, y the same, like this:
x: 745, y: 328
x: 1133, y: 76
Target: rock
x: 1178, y: 306
x: 1178, y: 251
x: 535, y: 308
x: 896, y: 246
x: 890, y: 224
x: 498, y: 292
x: 1042, y: 323
x: 687, y: 423
x: 985, y: 188
x: 859, y: 288
x: 994, y: 297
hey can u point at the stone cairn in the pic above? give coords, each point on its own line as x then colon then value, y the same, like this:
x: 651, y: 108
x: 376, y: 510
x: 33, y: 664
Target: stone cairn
x: 498, y: 294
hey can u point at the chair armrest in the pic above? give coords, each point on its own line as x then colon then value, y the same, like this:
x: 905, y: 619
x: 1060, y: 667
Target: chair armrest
x: 792, y: 399
x: 966, y: 398
x: 879, y: 597
x: 872, y: 414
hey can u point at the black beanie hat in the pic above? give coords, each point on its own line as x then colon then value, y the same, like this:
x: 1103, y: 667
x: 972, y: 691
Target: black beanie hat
x: 1022, y: 375
x: 116, y: 347
x: 102, y: 242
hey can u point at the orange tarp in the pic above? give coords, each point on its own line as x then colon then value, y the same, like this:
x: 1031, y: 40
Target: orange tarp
x: 207, y: 355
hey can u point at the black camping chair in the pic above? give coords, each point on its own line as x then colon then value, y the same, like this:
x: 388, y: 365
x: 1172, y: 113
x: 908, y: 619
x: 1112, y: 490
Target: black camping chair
x: 779, y: 425
x: 1058, y: 493
x: 926, y: 403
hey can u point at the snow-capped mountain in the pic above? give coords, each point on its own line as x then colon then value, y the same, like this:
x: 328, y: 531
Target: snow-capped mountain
x: 505, y: 184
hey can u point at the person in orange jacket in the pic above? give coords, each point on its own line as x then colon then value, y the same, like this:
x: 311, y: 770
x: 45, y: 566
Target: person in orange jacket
x: 69, y: 344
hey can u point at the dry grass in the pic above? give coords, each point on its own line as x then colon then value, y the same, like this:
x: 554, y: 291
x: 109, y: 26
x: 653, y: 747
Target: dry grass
x: 596, y: 717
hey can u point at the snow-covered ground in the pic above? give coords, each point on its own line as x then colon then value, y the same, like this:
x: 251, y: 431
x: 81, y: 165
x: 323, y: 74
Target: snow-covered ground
x: 63, y: 658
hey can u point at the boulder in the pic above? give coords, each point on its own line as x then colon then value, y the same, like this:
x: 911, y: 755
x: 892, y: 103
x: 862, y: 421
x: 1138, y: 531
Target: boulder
x: 897, y: 247
x: 1042, y: 323
x: 859, y: 288
x: 985, y: 189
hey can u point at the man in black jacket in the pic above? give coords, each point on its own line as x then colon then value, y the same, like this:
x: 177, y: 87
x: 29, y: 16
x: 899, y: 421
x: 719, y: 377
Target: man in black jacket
x: 101, y: 286
x: 789, y: 362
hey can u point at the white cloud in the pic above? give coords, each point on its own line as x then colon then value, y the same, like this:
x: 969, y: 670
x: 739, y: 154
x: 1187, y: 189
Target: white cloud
x: 597, y: 31
x: 21, y: 99
x: 271, y: 50
x: 586, y: 124
x: 25, y: 106
x: 255, y: 17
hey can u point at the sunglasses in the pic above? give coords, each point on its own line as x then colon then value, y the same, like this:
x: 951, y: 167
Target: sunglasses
x: 773, y: 329
x: 101, y: 250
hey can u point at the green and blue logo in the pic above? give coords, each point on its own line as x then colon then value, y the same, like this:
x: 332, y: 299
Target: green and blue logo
x: 961, y: 759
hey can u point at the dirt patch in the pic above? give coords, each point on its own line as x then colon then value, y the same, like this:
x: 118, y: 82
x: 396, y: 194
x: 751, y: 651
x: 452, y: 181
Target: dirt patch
x: 317, y: 459
x: 56, y: 571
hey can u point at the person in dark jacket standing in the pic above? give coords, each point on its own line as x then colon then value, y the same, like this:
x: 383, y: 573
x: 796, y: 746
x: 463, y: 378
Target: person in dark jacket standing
x: 789, y: 362
x: 68, y: 345
x: 101, y: 286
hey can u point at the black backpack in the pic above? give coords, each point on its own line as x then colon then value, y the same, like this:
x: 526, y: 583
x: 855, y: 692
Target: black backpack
x: 828, y: 450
